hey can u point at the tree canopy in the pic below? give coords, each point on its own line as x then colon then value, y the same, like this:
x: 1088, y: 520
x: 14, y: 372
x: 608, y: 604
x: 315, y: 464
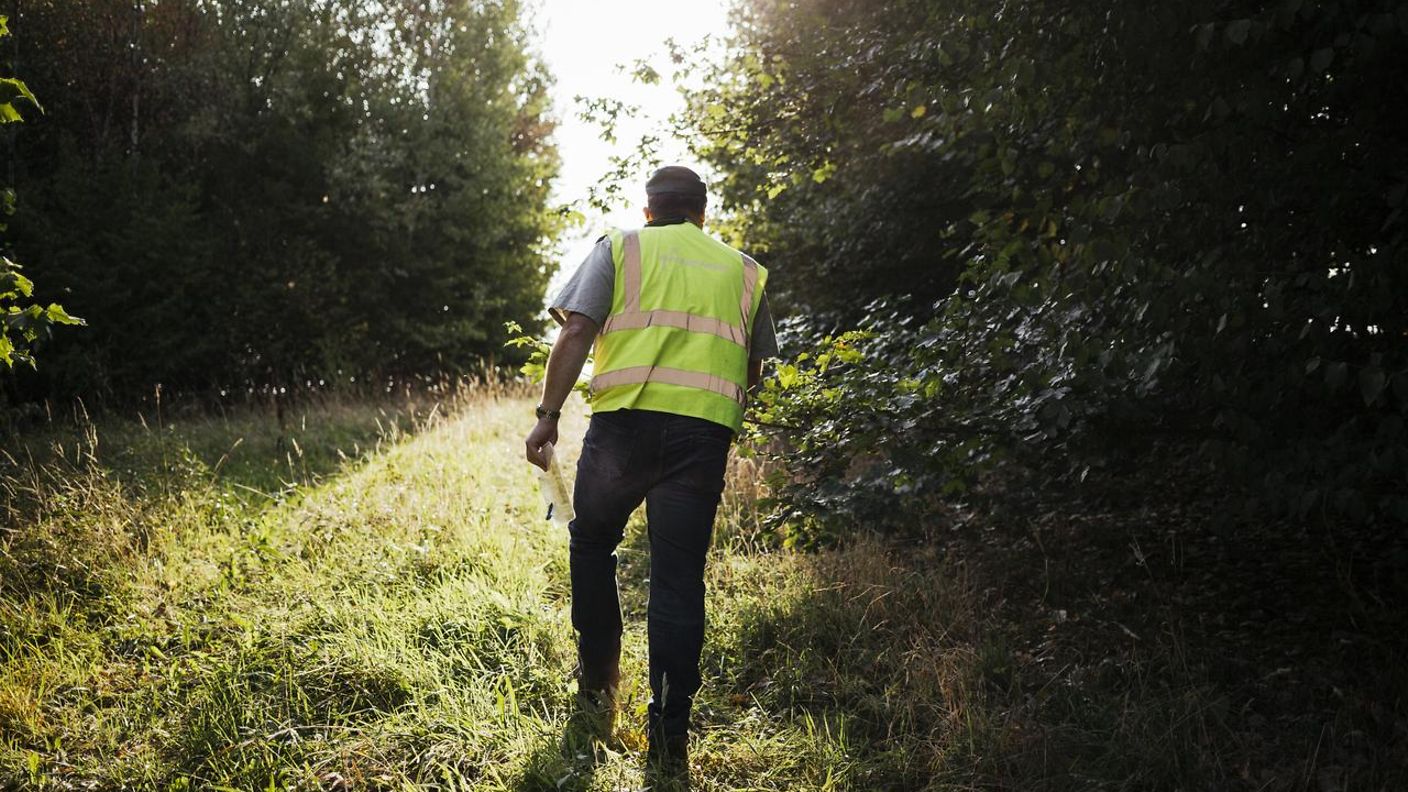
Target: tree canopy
x: 246, y: 193
x: 1062, y: 226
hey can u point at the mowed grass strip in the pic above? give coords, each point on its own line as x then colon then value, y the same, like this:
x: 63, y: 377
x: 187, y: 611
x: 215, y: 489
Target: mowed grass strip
x: 392, y: 613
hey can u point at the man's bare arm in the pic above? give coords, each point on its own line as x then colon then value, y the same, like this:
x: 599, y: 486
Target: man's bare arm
x: 565, y: 363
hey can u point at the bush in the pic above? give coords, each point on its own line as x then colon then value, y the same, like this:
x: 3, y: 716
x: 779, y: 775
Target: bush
x: 1094, y: 225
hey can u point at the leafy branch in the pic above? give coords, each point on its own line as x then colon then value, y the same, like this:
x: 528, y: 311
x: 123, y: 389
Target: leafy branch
x: 22, y: 324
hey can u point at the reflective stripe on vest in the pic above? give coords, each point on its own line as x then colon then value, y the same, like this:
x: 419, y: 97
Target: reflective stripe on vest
x: 637, y: 375
x: 633, y: 318
x: 630, y: 266
x: 684, y: 321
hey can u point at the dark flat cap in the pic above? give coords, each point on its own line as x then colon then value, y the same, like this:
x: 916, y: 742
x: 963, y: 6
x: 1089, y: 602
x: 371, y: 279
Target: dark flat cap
x: 675, y: 179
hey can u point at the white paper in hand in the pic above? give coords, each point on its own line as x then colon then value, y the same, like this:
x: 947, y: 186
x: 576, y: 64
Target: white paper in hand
x: 557, y: 495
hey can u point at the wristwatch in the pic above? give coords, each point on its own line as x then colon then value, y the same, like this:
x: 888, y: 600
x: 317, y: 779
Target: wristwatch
x: 545, y: 413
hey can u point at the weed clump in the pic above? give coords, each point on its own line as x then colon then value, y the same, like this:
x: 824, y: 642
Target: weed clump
x: 72, y: 531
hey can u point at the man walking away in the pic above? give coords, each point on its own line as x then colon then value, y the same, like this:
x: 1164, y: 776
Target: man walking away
x: 681, y: 328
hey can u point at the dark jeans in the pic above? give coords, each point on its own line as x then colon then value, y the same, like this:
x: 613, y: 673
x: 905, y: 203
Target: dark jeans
x: 675, y: 464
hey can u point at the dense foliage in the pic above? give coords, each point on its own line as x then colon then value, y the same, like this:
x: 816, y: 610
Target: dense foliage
x: 22, y: 323
x: 1091, y: 225
x: 241, y: 193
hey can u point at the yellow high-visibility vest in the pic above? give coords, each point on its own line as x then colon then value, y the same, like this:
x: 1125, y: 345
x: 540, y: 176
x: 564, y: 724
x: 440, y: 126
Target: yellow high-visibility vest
x: 681, y: 319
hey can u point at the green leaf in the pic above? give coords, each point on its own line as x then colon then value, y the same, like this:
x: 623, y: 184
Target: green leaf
x: 786, y: 376
x: 1371, y: 383
x: 58, y: 315
x: 19, y: 285
x: 12, y: 89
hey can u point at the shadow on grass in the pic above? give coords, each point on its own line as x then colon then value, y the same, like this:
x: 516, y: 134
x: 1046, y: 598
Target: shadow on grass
x: 256, y: 451
x: 890, y: 667
x: 252, y: 452
x: 852, y: 668
x: 568, y: 760
x: 884, y: 667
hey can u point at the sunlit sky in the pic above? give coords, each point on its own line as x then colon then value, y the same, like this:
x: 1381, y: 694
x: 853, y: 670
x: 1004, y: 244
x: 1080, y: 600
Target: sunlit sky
x: 583, y: 42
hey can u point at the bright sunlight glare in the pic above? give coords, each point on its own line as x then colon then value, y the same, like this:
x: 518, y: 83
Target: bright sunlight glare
x: 591, y: 48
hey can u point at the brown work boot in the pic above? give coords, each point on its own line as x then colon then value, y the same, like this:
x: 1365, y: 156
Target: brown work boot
x: 599, y: 681
x: 598, y: 670
x: 596, y: 697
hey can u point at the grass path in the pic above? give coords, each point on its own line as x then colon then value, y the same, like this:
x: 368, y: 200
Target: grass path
x: 365, y: 596
x: 402, y: 623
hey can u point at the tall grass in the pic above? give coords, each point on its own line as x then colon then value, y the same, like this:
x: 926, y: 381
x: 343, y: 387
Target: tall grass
x: 366, y: 596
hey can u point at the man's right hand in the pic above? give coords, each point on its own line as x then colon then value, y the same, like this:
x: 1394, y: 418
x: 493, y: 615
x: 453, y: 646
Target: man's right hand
x: 545, y: 432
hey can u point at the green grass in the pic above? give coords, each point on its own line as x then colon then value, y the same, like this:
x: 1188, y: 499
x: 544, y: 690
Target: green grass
x: 368, y: 598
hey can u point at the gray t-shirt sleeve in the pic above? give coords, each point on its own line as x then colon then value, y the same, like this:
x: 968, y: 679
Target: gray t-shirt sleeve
x: 589, y: 290
x: 764, y: 342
